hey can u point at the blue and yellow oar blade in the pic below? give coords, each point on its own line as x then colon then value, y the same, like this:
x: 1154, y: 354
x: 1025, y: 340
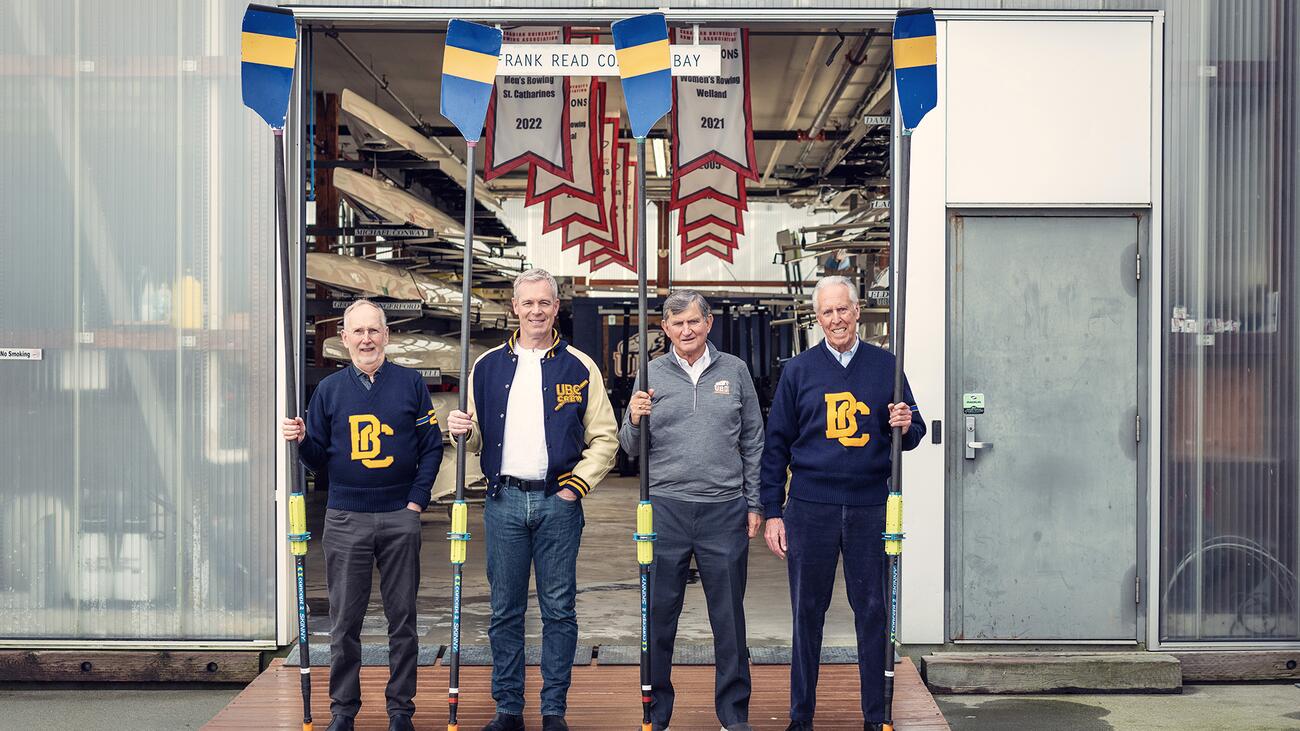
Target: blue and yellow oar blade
x: 644, y: 63
x: 269, y: 48
x: 916, y: 75
x: 469, y: 66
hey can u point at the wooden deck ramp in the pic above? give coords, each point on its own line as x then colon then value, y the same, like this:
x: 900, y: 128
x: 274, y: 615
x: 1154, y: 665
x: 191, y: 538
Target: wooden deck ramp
x: 602, y: 697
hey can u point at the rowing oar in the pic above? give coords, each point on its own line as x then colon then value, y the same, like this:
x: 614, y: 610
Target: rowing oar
x: 268, y: 49
x: 916, y: 79
x: 644, y: 64
x: 469, y: 67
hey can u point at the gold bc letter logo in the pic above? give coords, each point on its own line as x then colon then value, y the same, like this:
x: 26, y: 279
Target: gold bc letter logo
x: 842, y: 411
x: 366, y: 430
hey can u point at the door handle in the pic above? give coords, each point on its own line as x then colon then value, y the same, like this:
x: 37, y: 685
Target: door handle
x: 971, y: 444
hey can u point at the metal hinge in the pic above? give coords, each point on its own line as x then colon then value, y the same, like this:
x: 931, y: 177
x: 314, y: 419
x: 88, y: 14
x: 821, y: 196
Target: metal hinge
x: 1137, y: 589
x: 1139, y: 266
x: 1138, y: 430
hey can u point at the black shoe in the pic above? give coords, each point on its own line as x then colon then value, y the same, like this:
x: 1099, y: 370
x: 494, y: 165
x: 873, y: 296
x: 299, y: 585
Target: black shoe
x: 400, y: 722
x: 799, y: 726
x: 340, y: 723
x: 554, y: 723
x: 869, y: 726
x: 505, y: 722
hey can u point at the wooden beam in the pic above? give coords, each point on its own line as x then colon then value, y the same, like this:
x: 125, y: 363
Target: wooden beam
x: 1239, y: 666
x: 129, y: 666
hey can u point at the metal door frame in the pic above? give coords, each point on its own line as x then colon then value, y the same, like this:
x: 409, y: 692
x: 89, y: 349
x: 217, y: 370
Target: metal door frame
x: 953, y: 452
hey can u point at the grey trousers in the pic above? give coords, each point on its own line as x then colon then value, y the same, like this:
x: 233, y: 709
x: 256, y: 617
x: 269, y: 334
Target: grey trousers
x: 714, y: 533
x: 354, y: 543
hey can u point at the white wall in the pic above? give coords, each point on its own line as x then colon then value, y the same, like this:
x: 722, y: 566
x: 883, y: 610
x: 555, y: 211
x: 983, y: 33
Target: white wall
x: 1031, y: 113
x: 1049, y: 112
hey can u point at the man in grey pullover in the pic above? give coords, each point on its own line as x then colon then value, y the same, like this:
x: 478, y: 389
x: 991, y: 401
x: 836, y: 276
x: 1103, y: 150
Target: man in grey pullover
x: 706, y: 442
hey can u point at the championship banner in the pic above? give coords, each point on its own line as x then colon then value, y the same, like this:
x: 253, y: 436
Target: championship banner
x: 565, y: 210
x: 710, y: 246
x: 708, y: 210
x: 710, y: 238
x: 528, y: 120
x: 710, y: 180
x: 712, y: 121
x: 625, y: 205
x: 615, y: 246
x: 604, y: 235
x: 586, y: 108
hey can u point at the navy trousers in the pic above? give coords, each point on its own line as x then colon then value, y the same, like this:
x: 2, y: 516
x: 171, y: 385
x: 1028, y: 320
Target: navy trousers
x: 817, y: 534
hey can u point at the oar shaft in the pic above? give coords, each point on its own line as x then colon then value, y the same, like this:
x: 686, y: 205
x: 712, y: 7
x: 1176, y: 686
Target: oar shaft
x: 466, y: 284
x: 645, y: 534
x: 894, y: 508
x: 459, y: 534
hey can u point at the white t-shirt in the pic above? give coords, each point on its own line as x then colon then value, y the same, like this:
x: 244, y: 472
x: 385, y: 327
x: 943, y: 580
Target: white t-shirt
x: 523, y: 452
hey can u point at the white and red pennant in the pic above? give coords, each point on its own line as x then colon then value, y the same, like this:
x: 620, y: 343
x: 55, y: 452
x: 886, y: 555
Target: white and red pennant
x: 713, y: 148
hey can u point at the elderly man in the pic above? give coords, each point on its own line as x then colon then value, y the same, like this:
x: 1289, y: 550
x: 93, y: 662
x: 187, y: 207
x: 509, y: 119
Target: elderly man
x: 539, y: 414
x: 831, y: 426
x: 372, y: 426
x: 706, y: 438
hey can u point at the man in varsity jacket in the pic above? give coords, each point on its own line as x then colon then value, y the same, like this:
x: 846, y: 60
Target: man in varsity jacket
x: 372, y: 426
x: 706, y: 437
x: 542, y: 422
x: 830, y: 427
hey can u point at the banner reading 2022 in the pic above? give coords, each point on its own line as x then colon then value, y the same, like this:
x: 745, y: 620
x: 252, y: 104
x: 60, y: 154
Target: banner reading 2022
x: 528, y: 122
x: 712, y: 121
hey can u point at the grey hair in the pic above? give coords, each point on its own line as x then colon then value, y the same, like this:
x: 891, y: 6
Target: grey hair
x: 831, y: 281
x: 536, y: 275
x: 677, y: 302
x: 363, y: 302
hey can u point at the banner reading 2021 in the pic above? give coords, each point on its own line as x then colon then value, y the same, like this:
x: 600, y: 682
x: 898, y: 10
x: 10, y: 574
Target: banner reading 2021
x: 528, y: 122
x: 712, y: 121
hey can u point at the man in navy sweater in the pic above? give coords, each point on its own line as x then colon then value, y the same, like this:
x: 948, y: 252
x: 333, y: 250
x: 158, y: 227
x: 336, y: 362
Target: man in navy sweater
x: 372, y: 426
x: 830, y: 426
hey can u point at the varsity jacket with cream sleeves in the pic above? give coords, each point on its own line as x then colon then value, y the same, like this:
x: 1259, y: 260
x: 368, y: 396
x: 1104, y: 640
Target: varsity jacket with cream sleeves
x: 581, y: 433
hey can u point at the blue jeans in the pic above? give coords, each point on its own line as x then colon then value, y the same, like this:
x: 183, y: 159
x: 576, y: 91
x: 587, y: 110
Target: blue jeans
x: 523, y: 529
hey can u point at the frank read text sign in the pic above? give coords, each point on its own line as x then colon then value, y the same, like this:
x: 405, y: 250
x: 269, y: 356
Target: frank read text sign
x: 541, y: 59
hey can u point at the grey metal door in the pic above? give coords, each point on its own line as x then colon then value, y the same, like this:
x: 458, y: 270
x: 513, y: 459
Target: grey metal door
x: 1044, y: 448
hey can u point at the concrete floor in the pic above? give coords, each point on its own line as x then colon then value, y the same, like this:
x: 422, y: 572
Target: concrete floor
x: 608, y: 587
x: 1259, y: 707
x: 128, y: 709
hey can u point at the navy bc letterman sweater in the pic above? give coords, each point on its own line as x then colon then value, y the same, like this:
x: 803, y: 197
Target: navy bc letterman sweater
x: 830, y: 426
x: 382, y: 446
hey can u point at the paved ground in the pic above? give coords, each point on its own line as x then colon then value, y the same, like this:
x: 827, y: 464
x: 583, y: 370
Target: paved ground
x: 132, y: 709
x: 1263, y: 707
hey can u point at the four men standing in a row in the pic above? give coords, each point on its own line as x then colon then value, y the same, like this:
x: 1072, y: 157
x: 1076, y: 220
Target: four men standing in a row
x: 542, y: 422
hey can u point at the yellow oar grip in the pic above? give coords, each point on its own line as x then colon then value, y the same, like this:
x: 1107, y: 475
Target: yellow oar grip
x: 894, y: 524
x: 458, y: 534
x: 645, y: 547
x: 298, y: 534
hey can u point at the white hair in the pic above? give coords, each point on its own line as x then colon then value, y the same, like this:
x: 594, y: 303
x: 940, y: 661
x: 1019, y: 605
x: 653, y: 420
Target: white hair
x: 363, y: 302
x: 536, y: 275
x: 831, y: 281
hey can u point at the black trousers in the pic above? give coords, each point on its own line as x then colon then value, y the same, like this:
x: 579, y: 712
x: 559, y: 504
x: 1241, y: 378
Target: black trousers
x: 354, y: 543
x: 817, y: 535
x: 714, y: 533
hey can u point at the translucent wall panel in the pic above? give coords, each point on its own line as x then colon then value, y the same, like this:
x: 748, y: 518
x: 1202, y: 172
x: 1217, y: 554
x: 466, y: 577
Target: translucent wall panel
x: 136, y: 502
x: 1229, y: 491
